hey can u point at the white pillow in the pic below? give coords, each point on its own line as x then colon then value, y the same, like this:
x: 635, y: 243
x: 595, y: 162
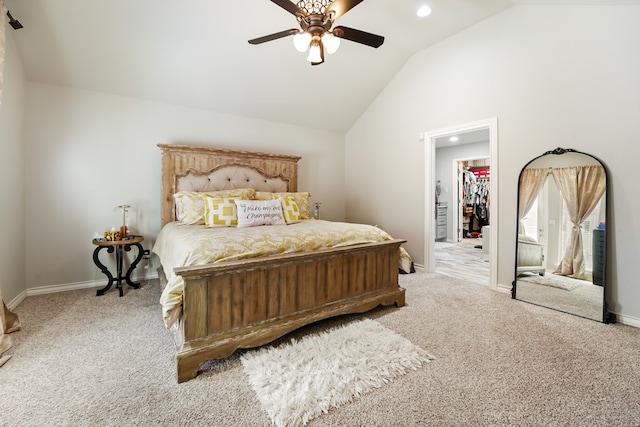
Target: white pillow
x: 252, y: 213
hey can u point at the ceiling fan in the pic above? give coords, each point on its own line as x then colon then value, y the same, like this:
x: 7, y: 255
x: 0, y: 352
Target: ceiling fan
x: 316, y: 17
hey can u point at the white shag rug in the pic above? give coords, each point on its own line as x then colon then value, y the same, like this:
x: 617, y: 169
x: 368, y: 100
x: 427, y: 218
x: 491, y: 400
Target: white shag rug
x: 302, y: 379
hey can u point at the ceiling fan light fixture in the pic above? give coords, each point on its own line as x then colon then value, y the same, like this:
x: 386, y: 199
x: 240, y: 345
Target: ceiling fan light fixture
x: 301, y: 41
x: 315, y: 51
x: 313, y: 6
x: 315, y: 19
x: 331, y: 42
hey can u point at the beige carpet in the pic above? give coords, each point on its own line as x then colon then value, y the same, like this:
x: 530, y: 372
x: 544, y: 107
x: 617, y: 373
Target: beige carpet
x: 82, y: 360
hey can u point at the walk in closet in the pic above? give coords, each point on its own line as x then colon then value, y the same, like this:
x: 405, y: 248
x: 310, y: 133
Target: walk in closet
x: 462, y: 208
x: 475, y: 190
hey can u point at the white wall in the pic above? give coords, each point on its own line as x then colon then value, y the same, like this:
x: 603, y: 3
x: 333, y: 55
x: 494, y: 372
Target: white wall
x: 445, y: 158
x: 12, y: 175
x: 89, y: 152
x: 554, y: 76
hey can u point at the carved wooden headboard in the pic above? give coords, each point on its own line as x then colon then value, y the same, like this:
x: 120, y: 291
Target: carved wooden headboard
x: 190, y: 168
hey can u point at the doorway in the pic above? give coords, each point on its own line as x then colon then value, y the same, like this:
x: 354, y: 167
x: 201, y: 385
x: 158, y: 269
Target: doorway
x: 486, y: 129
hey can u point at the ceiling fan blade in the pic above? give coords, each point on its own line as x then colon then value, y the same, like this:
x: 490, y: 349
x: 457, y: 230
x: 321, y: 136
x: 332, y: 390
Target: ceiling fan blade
x: 358, y: 36
x: 340, y: 7
x: 274, y: 36
x: 290, y: 7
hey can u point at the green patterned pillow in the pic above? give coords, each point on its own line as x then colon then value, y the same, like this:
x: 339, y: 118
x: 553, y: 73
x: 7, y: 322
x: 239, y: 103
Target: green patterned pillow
x: 220, y: 212
x: 263, y: 195
x: 290, y: 210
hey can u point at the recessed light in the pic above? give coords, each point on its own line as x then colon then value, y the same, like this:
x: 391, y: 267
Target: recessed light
x: 424, y: 11
x: 453, y: 139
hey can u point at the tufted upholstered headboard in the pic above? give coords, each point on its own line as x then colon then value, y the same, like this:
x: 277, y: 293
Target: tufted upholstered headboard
x: 190, y: 168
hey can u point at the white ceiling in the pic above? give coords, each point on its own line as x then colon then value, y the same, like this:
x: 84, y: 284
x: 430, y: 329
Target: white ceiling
x: 195, y: 53
x: 464, y: 138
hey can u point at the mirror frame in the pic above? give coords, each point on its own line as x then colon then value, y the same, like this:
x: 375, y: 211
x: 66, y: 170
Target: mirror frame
x: 607, y: 317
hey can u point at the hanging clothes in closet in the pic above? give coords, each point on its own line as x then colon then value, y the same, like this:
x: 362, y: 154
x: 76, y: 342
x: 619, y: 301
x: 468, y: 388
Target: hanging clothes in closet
x: 476, y: 191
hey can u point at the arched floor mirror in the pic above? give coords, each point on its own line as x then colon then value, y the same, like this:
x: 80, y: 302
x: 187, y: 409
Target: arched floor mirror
x: 561, y: 248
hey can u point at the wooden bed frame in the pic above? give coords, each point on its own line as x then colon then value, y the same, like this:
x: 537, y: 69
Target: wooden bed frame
x: 248, y: 303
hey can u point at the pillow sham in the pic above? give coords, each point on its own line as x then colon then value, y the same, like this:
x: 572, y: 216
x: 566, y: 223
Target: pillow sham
x: 263, y: 195
x: 220, y: 212
x: 252, y: 213
x: 290, y: 210
x: 190, y: 204
x: 301, y: 199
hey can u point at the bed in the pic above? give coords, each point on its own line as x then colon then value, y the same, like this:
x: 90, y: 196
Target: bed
x: 216, y: 307
x: 530, y: 256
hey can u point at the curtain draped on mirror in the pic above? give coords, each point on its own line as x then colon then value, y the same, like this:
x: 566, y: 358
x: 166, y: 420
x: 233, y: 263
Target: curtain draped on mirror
x: 8, y: 321
x: 581, y: 187
x: 531, y: 181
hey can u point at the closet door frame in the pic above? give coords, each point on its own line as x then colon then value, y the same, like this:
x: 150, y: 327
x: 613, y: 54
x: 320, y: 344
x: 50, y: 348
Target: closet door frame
x: 429, y: 219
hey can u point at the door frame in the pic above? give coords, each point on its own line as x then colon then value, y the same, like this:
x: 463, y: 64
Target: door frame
x: 430, y: 178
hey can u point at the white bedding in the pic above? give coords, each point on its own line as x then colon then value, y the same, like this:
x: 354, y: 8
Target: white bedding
x: 180, y: 245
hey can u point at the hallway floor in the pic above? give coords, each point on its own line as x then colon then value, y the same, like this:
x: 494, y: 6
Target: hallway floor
x: 463, y: 260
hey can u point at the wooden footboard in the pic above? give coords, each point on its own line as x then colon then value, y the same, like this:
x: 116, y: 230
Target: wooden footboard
x: 245, y: 304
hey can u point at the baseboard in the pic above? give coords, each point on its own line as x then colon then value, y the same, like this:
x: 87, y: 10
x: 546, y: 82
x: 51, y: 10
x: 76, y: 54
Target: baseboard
x: 52, y: 289
x: 627, y: 320
x: 506, y: 289
x: 17, y: 300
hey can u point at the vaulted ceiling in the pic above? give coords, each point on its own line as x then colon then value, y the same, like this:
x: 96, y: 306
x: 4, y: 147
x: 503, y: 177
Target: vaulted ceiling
x: 195, y: 53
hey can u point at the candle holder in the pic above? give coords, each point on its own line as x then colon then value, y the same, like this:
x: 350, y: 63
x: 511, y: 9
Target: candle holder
x: 316, y: 212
